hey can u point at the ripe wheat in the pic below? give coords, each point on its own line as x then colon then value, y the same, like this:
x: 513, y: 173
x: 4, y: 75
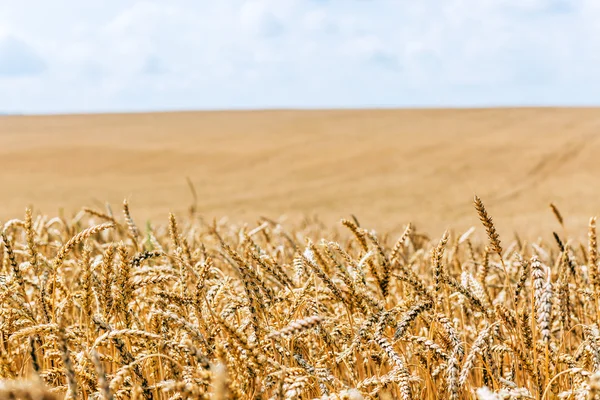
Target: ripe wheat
x: 97, y: 308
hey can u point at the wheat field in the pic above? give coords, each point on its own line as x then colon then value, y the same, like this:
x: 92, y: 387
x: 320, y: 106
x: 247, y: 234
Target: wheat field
x: 99, y: 307
x: 386, y: 166
x: 327, y: 265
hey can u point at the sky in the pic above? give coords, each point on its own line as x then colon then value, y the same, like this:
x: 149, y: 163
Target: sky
x: 65, y: 56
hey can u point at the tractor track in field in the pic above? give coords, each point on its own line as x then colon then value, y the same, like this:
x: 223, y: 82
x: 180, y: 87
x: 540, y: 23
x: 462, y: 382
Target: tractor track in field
x: 540, y: 172
x: 545, y: 167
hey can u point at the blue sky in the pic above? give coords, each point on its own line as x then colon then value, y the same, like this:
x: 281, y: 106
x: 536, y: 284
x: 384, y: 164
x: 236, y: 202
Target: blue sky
x: 120, y: 55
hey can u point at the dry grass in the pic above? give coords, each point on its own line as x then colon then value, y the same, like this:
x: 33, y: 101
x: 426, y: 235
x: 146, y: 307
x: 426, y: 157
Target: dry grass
x: 98, y: 307
x: 386, y: 166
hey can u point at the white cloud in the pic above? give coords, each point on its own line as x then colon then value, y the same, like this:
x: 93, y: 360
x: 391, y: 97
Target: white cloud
x: 18, y: 59
x: 265, y: 17
x: 318, y: 21
x: 154, y: 65
x: 129, y: 54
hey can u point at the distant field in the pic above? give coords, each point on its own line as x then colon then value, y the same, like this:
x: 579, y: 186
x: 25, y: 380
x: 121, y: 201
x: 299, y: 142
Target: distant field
x: 388, y: 167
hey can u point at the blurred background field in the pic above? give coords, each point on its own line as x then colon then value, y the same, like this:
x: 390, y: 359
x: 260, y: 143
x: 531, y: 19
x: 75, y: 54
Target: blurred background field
x: 387, y: 167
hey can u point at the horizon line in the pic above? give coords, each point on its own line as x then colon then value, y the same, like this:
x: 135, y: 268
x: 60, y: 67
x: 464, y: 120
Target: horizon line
x: 291, y: 109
